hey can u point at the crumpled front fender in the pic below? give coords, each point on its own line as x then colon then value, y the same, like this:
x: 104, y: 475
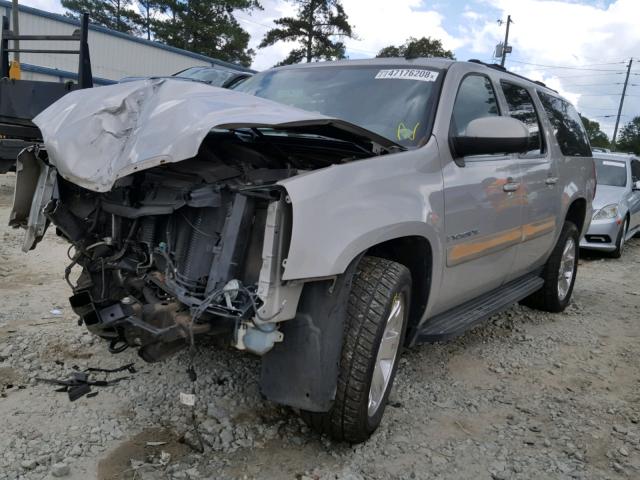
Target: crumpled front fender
x: 36, y: 184
x: 341, y: 211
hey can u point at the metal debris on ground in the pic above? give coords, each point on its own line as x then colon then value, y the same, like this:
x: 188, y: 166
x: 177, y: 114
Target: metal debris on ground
x: 79, y: 383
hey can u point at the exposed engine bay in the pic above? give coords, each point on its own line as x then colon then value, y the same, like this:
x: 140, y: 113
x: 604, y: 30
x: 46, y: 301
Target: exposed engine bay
x: 187, y: 248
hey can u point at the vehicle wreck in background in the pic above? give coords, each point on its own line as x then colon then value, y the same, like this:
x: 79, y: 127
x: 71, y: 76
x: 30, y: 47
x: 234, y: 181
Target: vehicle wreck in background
x: 311, y: 239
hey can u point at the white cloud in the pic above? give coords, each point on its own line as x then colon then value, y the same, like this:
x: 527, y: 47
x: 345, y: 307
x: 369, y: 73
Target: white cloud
x: 377, y: 24
x: 572, y: 34
x: 258, y: 23
x: 48, y: 5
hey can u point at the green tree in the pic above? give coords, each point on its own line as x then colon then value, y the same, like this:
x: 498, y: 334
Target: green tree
x: 114, y: 14
x: 596, y: 136
x: 629, y: 137
x: 417, y: 47
x: 148, y: 12
x: 207, y: 27
x: 320, y: 26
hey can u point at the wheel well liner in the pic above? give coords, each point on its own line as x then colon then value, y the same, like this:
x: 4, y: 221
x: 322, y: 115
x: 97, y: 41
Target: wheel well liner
x: 302, y: 371
x: 577, y: 212
x: 415, y: 253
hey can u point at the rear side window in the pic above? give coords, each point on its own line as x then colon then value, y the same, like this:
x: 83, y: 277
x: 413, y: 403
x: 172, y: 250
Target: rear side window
x: 521, y: 108
x: 567, y: 126
x: 476, y: 99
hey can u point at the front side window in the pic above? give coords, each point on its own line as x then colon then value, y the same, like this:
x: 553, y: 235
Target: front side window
x: 476, y: 99
x: 521, y: 108
x: 567, y: 126
x: 394, y: 102
x: 611, y: 172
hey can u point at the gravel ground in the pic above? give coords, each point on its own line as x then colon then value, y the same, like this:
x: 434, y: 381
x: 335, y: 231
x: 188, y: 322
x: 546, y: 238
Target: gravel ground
x: 528, y: 395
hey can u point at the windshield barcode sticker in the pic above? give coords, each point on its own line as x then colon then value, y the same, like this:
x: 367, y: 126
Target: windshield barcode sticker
x: 613, y: 164
x: 407, y: 74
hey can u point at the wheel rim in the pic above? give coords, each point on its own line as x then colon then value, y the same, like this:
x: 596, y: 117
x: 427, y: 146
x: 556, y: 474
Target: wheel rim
x: 387, y: 353
x: 567, y: 268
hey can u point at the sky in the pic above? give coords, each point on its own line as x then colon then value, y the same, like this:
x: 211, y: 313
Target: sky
x: 580, y: 48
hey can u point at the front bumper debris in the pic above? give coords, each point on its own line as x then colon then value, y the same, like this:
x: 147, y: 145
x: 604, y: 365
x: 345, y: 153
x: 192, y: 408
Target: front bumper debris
x: 36, y: 186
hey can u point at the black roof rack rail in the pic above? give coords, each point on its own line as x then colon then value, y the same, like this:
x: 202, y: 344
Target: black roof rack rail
x: 500, y: 68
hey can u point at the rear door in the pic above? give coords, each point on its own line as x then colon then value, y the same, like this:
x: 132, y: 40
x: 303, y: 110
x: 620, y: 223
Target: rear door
x: 634, y: 201
x: 540, y: 192
x: 482, y: 204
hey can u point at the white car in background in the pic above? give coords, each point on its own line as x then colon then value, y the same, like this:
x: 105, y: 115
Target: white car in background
x: 616, y: 207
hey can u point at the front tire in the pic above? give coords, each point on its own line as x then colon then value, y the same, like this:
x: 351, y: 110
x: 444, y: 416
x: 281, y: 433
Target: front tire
x: 621, y: 240
x: 559, y: 273
x: 374, y: 333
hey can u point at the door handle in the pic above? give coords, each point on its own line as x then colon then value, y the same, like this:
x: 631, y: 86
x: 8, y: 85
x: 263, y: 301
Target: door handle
x: 510, y: 187
x: 551, y: 180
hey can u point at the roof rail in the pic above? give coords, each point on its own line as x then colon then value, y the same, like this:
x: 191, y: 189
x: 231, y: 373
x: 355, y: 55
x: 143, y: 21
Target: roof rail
x: 500, y: 68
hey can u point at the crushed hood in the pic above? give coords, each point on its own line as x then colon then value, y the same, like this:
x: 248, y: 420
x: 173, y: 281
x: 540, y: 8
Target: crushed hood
x: 95, y: 136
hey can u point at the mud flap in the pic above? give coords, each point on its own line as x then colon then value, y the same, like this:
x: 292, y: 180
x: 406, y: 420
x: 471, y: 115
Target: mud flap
x: 302, y: 371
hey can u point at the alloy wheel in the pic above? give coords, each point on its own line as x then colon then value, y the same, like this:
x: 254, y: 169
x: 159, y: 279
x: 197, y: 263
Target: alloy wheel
x: 567, y: 268
x: 387, y: 353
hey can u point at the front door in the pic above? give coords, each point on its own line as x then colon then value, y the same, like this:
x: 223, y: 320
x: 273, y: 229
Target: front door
x: 483, y: 205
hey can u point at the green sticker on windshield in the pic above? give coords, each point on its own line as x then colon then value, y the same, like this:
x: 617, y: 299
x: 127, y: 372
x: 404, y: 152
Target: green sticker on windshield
x: 405, y: 133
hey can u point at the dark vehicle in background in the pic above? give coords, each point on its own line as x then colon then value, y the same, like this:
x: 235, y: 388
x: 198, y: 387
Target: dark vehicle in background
x: 215, y: 76
x: 616, y: 207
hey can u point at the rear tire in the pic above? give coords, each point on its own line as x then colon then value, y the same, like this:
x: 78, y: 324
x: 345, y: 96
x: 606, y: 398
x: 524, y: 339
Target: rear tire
x: 621, y: 240
x: 559, y: 273
x: 374, y: 334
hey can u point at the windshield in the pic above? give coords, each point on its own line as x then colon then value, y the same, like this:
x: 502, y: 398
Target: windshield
x: 392, y: 102
x: 213, y: 76
x: 609, y: 172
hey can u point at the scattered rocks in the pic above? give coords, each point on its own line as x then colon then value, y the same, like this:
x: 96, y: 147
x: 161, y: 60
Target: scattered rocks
x: 60, y: 470
x: 528, y: 395
x: 29, y: 464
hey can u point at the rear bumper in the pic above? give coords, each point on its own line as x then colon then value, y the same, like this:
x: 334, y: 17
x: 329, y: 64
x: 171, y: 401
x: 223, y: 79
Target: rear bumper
x: 602, y: 235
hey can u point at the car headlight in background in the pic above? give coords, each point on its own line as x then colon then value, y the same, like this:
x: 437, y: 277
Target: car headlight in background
x: 610, y: 211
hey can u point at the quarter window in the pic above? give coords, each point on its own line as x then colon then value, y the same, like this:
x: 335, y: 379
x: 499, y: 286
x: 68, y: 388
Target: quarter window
x: 567, y: 126
x: 476, y: 99
x: 521, y: 108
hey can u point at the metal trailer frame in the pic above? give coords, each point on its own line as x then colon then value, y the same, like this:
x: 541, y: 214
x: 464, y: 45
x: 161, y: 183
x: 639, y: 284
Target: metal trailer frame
x: 22, y: 100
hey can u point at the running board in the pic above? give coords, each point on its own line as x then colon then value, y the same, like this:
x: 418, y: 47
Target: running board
x: 458, y: 320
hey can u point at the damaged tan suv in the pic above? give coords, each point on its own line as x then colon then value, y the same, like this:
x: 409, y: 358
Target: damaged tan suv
x: 426, y: 195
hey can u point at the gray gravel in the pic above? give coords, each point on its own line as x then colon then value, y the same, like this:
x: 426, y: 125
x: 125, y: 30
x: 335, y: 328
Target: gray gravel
x: 528, y: 395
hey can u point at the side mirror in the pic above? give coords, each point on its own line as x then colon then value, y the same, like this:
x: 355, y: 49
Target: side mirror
x: 636, y: 185
x: 492, y: 135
